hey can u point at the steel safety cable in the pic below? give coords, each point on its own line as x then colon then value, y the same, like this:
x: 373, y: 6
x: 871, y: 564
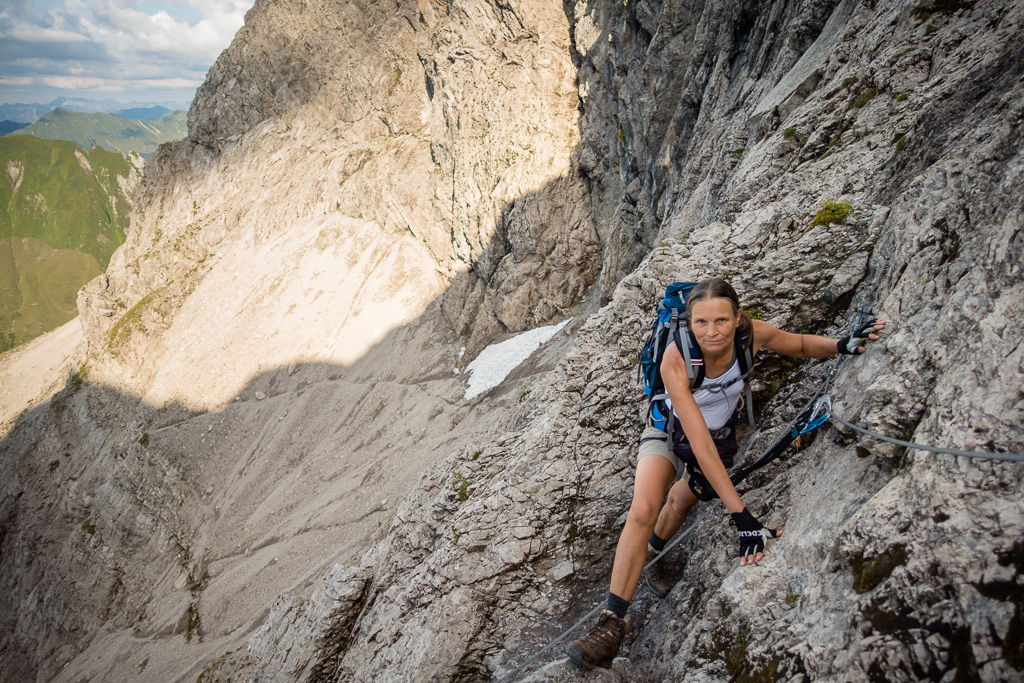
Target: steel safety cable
x: 1011, y: 457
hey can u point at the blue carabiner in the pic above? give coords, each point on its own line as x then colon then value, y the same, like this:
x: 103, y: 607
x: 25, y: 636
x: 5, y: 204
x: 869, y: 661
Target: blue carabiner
x: 818, y: 416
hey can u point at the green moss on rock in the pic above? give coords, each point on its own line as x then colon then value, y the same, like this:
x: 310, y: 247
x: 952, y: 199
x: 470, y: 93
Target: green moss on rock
x: 869, y: 572
x: 864, y: 97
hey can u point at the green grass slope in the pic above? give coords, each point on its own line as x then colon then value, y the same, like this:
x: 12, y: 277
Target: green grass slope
x: 113, y: 133
x: 63, y: 212
x: 47, y: 287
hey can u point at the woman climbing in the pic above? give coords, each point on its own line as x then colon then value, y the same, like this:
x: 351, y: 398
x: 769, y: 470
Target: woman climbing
x: 706, y: 417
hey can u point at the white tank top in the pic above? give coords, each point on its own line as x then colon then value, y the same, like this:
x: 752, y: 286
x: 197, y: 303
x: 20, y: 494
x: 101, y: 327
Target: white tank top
x: 716, y: 404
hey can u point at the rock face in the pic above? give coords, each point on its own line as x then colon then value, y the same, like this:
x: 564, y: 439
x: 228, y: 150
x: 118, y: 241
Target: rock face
x: 437, y: 144
x: 440, y: 173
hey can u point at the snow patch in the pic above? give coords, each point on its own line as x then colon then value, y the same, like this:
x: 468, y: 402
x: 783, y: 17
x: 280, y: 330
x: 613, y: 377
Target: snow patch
x: 495, y: 362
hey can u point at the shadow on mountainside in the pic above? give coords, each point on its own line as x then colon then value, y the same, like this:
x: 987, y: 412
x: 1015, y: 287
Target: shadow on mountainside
x: 153, y: 517
x: 156, y: 535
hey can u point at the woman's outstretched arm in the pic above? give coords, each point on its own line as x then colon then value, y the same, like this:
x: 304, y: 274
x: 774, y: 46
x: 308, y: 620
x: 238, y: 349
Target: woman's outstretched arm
x: 802, y: 345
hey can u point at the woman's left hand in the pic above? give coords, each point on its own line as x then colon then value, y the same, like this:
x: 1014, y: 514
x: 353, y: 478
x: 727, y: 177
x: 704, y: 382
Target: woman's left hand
x: 854, y: 344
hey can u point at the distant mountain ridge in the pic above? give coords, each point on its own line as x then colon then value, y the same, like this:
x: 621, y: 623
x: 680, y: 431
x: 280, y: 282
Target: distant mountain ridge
x: 10, y: 126
x: 114, y: 133
x: 144, y: 113
x: 30, y: 113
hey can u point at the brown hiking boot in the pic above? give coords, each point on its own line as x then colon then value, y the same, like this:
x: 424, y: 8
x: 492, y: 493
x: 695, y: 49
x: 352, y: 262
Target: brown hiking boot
x: 660, y: 577
x: 599, y: 647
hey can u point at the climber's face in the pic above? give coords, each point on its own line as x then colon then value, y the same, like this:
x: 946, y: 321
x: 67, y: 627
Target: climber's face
x: 714, y: 325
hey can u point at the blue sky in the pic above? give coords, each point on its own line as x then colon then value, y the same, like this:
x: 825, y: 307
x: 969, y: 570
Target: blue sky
x: 125, y: 50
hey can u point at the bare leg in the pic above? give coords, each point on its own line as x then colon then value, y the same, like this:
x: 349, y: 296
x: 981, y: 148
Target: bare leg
x: 677, y: 507
x: 654, y: 474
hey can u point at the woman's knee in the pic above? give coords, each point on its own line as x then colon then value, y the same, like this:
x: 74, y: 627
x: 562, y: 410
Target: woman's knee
x: 654, y: 475
x: 681, y: 498
x: 644, y: 511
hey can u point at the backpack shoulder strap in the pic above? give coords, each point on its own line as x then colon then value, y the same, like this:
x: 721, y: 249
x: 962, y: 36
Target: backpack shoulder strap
x: 745, y: 357
x: 692, y: 356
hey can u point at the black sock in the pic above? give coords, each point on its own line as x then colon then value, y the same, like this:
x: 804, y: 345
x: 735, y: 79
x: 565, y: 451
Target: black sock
x: 617, y: 605
x: 657, y: 542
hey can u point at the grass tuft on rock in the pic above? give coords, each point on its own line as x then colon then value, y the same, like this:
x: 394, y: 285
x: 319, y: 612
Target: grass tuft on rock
x: 864, y: 97
x: 831, y: 212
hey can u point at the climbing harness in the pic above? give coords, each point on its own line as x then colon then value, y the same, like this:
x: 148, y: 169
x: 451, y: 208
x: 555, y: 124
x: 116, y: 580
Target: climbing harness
x: 812, y: 416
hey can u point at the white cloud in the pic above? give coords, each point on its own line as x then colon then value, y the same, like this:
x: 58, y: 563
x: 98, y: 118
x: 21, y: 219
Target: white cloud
x: 169, y: 83
x: 73, y: 82
x: 116, y: 44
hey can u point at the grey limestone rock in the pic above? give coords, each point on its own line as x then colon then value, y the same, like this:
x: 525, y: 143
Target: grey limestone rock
x: 872, y: 578
x: 477, y: 169
x: 312, y: 633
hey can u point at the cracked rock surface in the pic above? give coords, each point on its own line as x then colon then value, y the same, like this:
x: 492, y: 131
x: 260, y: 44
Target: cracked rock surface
x: 243, y: 483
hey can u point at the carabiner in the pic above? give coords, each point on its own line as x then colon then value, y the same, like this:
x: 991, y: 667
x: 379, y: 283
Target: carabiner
x: 819, y: 415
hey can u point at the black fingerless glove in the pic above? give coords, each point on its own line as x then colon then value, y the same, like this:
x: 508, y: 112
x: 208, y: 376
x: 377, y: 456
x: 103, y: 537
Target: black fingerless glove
x: 752, y: 533
x: 849, y: 345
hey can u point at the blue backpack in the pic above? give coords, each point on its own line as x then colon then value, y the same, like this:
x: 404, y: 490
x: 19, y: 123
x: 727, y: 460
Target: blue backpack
x: 669, y: 325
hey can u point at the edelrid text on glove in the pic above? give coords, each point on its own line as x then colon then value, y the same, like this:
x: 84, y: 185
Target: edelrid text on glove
x: 752, y: 533
x: 849, y: 345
